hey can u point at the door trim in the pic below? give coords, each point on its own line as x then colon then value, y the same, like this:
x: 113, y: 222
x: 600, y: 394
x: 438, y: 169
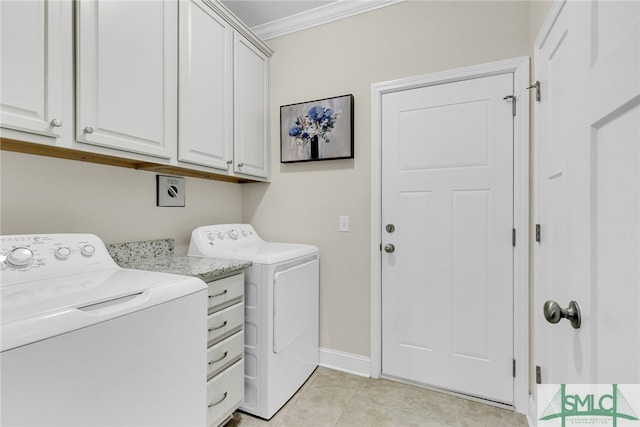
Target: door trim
x: 520, y: 68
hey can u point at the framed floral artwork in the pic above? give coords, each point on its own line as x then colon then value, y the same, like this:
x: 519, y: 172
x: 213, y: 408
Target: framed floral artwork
x: 317, y: 130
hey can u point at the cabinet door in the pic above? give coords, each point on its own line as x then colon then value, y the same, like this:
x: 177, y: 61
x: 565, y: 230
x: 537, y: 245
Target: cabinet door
x: 251, y: 98
x: 205, y: 87
x: 31, y: 66
x: 127, y: 75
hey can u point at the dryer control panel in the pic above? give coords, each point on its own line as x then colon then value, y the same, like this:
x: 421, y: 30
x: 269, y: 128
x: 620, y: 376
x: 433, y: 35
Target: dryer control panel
x: 223, y: 236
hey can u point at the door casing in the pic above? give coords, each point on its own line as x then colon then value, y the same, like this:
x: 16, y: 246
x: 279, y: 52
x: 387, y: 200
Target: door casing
x: 520, y: 68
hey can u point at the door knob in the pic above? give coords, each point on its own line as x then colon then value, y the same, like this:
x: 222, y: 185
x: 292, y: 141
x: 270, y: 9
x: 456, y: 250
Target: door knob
x: 389, y: 248
x: 554, y: 313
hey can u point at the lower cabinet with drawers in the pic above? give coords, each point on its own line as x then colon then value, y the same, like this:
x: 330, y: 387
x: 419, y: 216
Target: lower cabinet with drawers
x: 225, y: 320
x: 225, y: 353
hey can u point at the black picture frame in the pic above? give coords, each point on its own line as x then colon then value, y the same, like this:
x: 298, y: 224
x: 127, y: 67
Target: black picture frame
x: 317, y: 130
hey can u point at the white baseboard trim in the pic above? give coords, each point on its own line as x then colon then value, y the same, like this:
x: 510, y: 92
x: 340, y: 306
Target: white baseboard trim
x: 532, y: 416
x: 345, y: 362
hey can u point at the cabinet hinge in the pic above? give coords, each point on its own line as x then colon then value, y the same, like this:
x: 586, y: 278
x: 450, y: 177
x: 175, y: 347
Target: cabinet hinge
x: 538, y: 375
x: 513, y: 237
x: 536, y: 86
x: 514, y: 368
x: 538, y: 233
x: 513, y: 103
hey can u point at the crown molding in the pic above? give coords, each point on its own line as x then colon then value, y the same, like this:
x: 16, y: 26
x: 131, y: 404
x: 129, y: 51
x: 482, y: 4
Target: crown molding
x: 331, y: 12
x: 233, y: 20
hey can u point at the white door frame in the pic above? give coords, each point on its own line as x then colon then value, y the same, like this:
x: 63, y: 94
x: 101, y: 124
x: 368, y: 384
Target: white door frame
x: 520, y: 68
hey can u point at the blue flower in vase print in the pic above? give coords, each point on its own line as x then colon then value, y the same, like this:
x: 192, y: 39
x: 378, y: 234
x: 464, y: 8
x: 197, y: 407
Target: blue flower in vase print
x: 295, y: 131
x: 319, y: 121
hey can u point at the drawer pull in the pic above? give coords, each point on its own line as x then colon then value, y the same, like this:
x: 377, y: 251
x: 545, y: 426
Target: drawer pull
x: 224, y: 396
x: 218, y: 327
x: 219, y: 358
x: 219, y: 294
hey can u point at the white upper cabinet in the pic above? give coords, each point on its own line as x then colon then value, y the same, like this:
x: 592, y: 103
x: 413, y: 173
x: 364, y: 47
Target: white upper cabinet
x: 205, y: 87
x: 223, y: 92
x: 127, y: 75
x: 31, y: 67
x: 178, y: 86
x: 251, y: 106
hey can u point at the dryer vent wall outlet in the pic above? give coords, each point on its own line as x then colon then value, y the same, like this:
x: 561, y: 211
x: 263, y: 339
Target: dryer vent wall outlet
x: 169, y: 191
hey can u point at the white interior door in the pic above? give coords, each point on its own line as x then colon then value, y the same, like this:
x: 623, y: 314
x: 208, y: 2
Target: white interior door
x: 447, y: 188
x: 588, y: 188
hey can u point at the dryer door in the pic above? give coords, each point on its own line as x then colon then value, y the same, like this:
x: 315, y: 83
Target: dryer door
x: 295, y: 303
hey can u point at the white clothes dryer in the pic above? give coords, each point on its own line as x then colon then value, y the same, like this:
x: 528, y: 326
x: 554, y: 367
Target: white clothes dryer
x: 281, y: 311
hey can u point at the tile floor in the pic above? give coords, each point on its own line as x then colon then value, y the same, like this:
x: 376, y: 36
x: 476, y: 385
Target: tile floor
x: 333, y: 398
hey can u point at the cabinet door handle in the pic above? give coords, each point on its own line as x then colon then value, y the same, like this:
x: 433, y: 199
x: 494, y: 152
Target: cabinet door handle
x: 219, y: 294
x: 56, y: 123
x: 240, y: 165
x: 88, y: 129
x: 224, y: 396
x: 219, y: 358
x: 218, y: 327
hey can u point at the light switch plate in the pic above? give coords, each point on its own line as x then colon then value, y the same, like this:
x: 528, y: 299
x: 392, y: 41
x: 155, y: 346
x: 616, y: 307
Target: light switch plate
x: 343, y: 223
x: 170, y: 191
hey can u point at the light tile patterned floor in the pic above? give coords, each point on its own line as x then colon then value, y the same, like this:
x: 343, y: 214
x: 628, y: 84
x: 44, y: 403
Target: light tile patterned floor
x: 333, y: 398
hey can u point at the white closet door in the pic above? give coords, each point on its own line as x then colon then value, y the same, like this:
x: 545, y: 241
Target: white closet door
x: 588, y: 184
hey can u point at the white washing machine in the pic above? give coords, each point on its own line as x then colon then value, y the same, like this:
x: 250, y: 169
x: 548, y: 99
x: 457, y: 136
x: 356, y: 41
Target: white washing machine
x: 281, y: 311
x: 86, y: 343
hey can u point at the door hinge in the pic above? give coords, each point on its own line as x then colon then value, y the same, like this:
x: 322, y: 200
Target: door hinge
x: 513, y: 237
x: 538, y: 375
x: 514, y: 368
x: 513, y: 103
x: 538, y: 233
x: 536, y: 86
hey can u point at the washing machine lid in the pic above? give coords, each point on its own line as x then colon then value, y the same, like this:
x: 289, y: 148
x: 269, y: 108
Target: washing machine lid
x: 41, y: 309
x: 263, y: 252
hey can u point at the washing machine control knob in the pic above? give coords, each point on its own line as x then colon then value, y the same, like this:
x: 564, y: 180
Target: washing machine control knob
x: 211, y: 236
x: 20, y: 257
x: 220, y: 235
x: 244, y: 233
x: 233, y: 234
x: 88, y: 250
x: 62, y: 253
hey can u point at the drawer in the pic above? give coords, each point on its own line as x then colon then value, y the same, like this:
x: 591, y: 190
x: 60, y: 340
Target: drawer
x: 225, y: 292
x: 225, y: 393
x: 225, y: 322
x: 224, y: 353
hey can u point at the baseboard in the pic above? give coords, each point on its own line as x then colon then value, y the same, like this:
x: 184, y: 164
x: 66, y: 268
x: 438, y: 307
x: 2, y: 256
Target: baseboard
x: 532, y: 416
x: 345, y: 362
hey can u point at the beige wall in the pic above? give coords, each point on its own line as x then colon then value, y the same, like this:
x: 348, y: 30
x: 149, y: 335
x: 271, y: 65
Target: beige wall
x: 304, y: 201
x: 47, y: 195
